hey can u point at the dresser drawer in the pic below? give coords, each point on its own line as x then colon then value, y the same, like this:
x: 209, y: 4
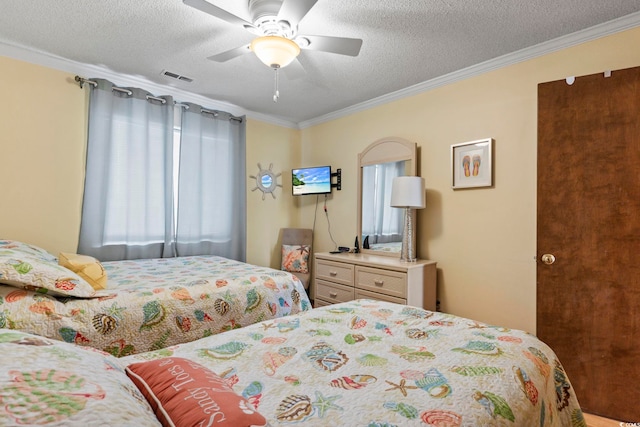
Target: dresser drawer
x: 386, y: 282
x: 319, y: 303
x: 379, y: 296
x: 334, y: 272
x: 333, y: 292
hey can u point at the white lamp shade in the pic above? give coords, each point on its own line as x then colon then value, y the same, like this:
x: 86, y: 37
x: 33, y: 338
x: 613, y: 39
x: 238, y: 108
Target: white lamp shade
x: 275, y: 51
x: 408, y: 192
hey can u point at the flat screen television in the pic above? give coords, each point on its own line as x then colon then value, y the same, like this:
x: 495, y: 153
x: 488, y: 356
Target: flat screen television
x: 315, y: 180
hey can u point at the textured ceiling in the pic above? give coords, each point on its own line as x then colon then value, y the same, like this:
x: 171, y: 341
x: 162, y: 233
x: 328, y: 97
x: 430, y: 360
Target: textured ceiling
x: 405, y: 42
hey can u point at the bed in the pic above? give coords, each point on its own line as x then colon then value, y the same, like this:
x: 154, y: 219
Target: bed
x: 147, y: 304
x: 361, y: 363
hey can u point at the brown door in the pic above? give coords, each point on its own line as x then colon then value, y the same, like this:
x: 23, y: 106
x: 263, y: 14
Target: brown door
x: 588, y: 299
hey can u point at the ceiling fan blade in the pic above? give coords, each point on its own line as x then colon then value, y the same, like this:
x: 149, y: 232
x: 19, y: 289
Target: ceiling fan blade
x: 340, y: 45
x: 212, y: 10
x: 294, y: 70
x: 230, y: 54
x: 294, y: 10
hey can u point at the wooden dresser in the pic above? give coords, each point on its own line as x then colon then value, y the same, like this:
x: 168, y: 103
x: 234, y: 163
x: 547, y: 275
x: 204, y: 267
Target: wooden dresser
x: 346, y: 276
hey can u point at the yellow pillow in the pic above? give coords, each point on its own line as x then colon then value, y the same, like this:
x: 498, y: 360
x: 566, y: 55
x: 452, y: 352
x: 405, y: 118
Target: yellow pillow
x: 86, y: 267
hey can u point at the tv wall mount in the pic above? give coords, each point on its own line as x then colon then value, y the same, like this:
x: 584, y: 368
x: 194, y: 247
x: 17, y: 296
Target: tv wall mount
x: 338, y: 176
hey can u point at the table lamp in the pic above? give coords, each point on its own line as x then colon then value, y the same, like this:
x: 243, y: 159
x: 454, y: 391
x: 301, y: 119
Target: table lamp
x: 408, y: 192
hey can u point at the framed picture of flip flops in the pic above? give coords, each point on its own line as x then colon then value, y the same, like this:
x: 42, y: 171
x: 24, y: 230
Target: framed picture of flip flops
x: 472, y: 164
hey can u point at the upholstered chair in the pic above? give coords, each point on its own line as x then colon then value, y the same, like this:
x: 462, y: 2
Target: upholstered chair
x: 296, y: 252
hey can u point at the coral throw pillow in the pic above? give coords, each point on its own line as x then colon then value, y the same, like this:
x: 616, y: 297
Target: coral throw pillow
x: 295, y: 258
x: 184, y: 393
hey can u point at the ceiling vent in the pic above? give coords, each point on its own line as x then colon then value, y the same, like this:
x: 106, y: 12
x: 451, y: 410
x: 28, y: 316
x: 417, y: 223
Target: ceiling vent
x: 177, y: 76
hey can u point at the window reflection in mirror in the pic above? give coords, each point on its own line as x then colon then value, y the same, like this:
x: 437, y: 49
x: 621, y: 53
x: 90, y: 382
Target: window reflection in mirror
x: 381, y: 224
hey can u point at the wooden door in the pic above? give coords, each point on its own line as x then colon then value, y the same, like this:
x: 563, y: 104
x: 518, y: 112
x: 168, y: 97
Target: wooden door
x: 588, y: 300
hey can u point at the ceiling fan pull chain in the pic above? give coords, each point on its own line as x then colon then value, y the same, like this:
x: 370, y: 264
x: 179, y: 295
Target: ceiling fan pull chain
x: 276, y: 92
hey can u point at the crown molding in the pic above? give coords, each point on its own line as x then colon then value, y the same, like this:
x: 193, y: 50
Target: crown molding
x: 87, y: 70
x: 93, y: 71
x: 611, y: 27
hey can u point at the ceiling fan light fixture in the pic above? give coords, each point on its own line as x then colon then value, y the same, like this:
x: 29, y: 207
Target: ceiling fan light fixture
x: 275, y: 51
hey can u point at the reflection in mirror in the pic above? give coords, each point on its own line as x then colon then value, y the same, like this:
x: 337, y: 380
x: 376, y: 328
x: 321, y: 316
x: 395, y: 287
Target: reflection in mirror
x: 267, y: 181
x: 381, y: 224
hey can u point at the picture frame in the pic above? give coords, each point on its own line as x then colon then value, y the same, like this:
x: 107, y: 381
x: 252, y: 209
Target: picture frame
x: 472, y: 164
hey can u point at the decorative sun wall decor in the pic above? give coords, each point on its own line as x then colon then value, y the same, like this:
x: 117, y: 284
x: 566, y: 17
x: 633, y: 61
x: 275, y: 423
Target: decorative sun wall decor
x: 266, y: 181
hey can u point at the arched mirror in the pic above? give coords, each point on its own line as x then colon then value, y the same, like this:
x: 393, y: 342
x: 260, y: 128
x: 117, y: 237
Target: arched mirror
x: 380, y: 225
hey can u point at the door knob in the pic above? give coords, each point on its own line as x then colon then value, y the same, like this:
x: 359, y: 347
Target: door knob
x: 548, y: 259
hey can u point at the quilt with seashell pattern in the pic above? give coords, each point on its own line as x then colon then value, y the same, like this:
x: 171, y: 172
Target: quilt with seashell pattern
x: 155, y: 303
x: 374, y: 363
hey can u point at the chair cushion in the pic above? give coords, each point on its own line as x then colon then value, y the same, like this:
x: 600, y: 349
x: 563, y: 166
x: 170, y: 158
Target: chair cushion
x: 295, y: 258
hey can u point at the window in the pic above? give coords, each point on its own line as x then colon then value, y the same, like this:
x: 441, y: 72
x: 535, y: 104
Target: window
x: 161, y: 179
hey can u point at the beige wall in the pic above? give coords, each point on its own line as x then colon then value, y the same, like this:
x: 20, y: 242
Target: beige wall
x: 484, y: 240
x: 42, y: 152
x: 278, y: 147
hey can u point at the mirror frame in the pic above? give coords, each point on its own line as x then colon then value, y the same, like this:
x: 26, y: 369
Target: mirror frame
x: 384, y: 150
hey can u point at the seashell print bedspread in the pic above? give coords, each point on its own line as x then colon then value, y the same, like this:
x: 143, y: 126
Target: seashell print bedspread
x: 373, y: 363
x: 157, y: 303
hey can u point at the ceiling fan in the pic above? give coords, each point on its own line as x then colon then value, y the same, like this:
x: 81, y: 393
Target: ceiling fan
x: 278, y: 43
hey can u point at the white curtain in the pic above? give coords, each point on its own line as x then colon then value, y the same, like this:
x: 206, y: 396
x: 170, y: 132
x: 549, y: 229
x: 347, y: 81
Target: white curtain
x: 211, y: 184
x: 133, y: 207
x: 380, y: 222
x: 127, y: 207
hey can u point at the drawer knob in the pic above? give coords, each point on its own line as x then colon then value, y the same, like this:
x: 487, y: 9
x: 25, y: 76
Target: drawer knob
x: 333, y: 273
x: 333, y: 294
x: 378, y: 282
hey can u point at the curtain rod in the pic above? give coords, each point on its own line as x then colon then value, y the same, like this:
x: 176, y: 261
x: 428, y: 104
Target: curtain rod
x: 81, y: 81
x: 215, y: 113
